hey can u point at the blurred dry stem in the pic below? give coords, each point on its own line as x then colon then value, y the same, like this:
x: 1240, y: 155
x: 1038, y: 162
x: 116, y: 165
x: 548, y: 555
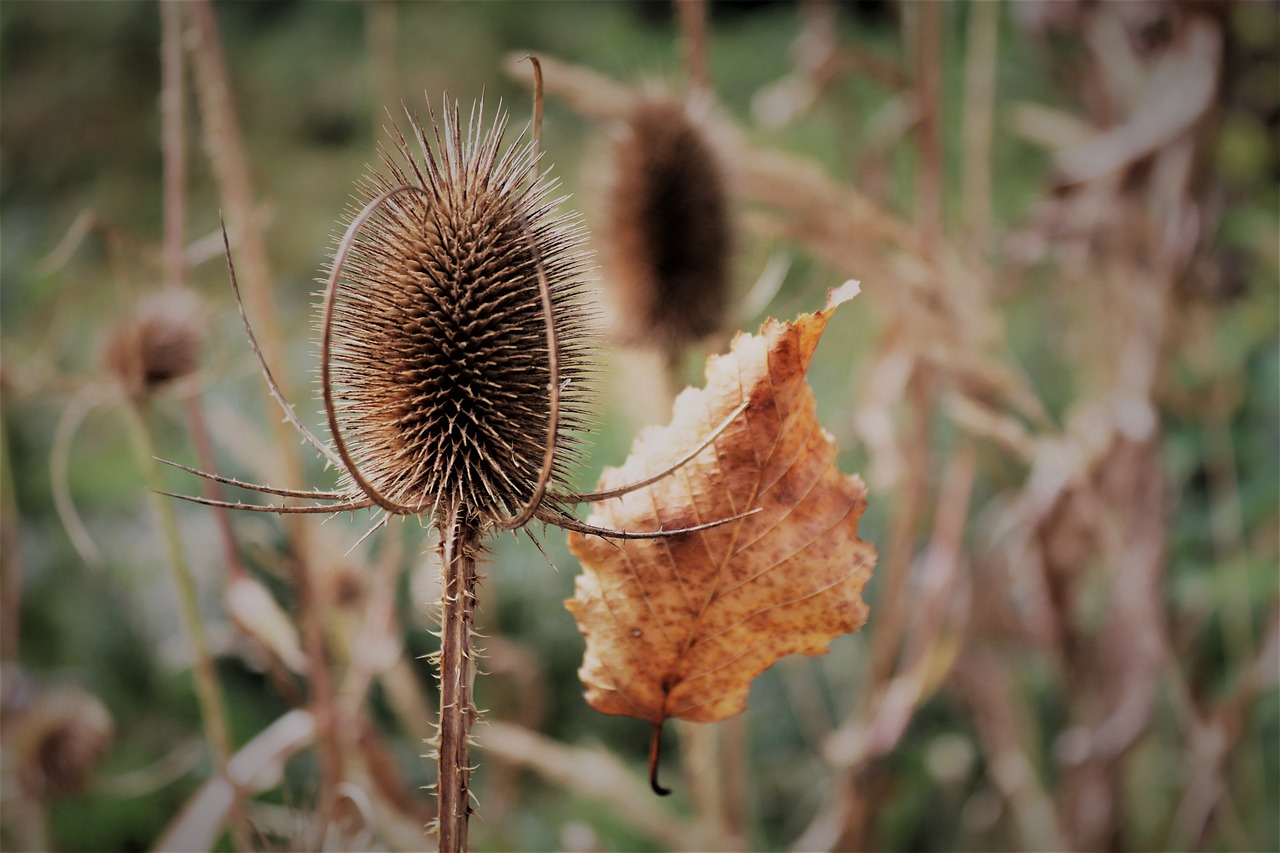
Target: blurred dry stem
x: 226, y: 152
x: 692, y: 15
x: 208, y: 690
x: 978, y: 116
x: 924, y: 32
x: 589, y: 772
x: 173, y: 146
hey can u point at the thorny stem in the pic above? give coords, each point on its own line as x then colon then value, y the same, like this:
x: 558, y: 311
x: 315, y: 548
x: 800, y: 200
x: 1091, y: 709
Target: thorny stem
x: 208, y: 691
x: 459, y: 542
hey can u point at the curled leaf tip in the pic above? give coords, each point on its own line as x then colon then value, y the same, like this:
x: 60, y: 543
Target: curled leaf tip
x: 843, y: 293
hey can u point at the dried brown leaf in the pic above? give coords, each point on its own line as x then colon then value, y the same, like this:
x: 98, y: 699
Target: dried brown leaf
x: 679, y: 627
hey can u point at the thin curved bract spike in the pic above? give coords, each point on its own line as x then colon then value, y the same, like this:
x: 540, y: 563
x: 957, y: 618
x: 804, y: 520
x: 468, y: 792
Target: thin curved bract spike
x: 537, y: 110
x: 276, y: 393
x: 280, y: 510
x: 326, y: 349
x: 541, y: 550
x: 593, y: 497
x: 381, y: 523
x: 553, y: 388
x: 567, y: 523
x: 254, y: 487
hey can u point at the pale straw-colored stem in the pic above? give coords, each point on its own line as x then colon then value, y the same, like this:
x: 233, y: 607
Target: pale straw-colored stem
x: 208, y: 691
x: 230, y: 166
x: 692, y: 15
x: 926, y: 37
x: 981, y: 52
x: 173, y: 142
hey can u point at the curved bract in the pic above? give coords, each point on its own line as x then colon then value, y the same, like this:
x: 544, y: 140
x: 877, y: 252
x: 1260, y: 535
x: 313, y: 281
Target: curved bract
x: 453, y: 318
x: 455, y: 343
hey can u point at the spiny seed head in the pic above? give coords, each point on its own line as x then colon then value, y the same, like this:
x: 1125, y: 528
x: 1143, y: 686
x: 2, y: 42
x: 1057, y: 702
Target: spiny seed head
x: 667, y: 233
x: 159, y: 343
x: 440, y: 360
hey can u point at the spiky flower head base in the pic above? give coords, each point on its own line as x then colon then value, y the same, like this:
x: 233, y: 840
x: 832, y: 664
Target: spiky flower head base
x: 440, y: 364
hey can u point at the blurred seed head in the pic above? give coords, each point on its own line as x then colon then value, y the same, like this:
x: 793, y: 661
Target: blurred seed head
x: 158, y: 343
x: 440, y: 357
x: 54, y: 736
x: 667, y: 234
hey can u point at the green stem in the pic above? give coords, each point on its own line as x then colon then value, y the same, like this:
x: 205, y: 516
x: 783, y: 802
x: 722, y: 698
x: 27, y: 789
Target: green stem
x: 208, y: 691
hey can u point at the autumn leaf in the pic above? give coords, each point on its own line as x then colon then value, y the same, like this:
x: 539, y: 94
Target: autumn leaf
x: 680, y: 626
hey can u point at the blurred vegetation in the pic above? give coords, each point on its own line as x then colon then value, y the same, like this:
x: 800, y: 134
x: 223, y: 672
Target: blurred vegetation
x: 80, y: 143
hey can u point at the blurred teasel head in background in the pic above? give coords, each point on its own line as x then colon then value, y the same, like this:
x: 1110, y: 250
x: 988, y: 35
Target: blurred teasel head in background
x: 666, y: 235
x: 440, y: 355
x: 157, y: 344
x: 54, y: 736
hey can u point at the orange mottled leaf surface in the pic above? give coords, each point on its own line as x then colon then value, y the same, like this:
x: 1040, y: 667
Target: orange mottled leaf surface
x: 679, y: 627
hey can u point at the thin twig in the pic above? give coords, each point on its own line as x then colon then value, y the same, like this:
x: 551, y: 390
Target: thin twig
x: 927, y: 44
x: 693, y: 37
x: 227, y: 153
x: 173, y: 135
x: 223, y: 142
x: 981, y: 52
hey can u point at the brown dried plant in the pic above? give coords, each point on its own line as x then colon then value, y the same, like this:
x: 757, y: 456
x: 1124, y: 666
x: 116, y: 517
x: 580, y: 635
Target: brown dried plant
x: 455, y: 374
x: 667, y: 236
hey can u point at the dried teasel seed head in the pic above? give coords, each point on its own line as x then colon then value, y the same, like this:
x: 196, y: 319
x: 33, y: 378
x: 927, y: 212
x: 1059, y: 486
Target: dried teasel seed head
x: 54, y: 737
x: 667, y: 233
x: 158, y: 343
x: 439, y: 355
